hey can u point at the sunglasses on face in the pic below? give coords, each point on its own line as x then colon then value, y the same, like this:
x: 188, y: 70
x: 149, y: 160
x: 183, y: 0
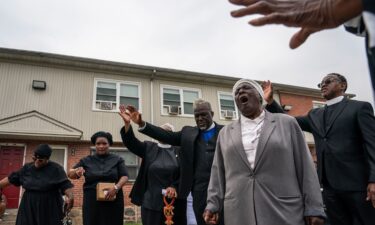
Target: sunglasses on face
x: 327, y: 82
x: 39, y: 158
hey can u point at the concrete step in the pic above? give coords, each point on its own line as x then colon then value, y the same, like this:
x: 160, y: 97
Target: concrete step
x: 6, y: 218
x: 11, y: 211
x: 7, y: 222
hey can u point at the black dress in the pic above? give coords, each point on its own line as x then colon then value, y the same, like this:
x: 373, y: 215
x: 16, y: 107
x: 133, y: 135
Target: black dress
x: 42, y: 202
x: 107, y: 168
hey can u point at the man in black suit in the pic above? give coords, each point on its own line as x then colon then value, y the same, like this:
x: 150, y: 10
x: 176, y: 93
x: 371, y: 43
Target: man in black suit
x: 198, y: 145
x: 344, y: 134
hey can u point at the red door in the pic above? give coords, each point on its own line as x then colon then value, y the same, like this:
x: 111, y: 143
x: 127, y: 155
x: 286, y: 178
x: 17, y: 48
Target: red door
x: 11, y: 160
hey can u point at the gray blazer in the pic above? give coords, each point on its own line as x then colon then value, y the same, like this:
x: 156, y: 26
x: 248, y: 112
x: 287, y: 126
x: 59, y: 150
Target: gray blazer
x: 282, y: 188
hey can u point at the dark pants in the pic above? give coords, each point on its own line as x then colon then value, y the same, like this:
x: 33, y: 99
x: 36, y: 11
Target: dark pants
x: 155, y: 217
x: 348, y: 208
x: 199, y: 205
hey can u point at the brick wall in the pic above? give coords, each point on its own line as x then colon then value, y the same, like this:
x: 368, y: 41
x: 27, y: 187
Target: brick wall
x: 301, y: 105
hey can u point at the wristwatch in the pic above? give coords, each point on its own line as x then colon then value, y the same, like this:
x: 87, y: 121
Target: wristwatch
x: 116, y: 188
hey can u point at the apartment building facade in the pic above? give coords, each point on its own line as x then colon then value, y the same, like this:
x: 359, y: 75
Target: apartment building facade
x: 62, y: 100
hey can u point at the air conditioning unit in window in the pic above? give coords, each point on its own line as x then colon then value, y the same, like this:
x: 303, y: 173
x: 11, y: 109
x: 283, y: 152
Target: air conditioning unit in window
x: 105, y: 105
x: 174, y: 110
x: 229, y: 114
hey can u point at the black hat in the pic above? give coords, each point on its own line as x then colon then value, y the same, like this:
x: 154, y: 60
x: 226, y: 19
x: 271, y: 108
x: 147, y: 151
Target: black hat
x: 43, y: 151
x: 102, y: 134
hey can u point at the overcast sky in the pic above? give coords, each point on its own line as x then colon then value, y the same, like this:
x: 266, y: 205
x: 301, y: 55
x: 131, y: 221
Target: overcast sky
x: 194, y: 35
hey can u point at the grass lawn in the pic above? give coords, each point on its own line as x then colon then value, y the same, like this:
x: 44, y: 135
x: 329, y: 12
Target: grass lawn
x: 132, y: 223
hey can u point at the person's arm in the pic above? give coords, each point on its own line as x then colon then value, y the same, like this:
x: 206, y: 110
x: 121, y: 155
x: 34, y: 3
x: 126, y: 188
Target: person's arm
x: 77, y: 171
x: 171, y: 191
x: 132, y: 143
x: 69, y: 199
x: 168, y: 137
x: 274, y: 107
x: 309, y: 15
x: 4, y: 182
x: 216, y: 188
x: 307, y: 177
x: 123, y: 174
x: 368, y: 6
x: 366, y: 121
x: 116, y: 188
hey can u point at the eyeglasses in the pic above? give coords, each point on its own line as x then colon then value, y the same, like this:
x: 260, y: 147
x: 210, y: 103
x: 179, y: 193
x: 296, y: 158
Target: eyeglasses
x: 327, y: 82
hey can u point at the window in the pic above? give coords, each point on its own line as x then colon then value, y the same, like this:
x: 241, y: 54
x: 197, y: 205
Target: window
x: 110, y: 94
x: 131, y: 160
x: 227, y: 106
x: 59, y: 155
x: 317, y: 104
x: 178, y: 101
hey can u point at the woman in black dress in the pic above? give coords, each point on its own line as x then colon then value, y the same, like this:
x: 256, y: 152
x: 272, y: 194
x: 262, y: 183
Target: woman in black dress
x: 101, y: 167
x: 159, y: 170
x: 44, y: 182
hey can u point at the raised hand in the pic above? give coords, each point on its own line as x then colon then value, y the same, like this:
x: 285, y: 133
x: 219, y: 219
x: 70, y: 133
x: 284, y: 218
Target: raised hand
x: 268, y: 91
x: 310, y: 15
x: 135, y: 116
x: 124, y: 114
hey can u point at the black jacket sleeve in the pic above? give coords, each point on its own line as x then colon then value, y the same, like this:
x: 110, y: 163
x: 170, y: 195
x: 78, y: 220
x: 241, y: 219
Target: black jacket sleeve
x: 132, y: 143
x: 168, y: 137
x: 274, y: 107
x: 366, y: 121
x: 369, y: 6
x: 303, y: 121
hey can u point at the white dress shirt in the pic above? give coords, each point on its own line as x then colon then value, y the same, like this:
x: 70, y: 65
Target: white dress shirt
x: 250, y: 130
x: 334, y: 100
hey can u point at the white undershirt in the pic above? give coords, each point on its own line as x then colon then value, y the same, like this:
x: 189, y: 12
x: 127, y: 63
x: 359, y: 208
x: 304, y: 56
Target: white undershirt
x: 250, y: 130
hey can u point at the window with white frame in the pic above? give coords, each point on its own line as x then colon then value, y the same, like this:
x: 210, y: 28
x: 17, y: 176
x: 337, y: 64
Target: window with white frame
x: 59, y: 155
x: 178, y: 101
x: 131, y: 161
x: 317, y: 104
x: 110, y: 94
x: 227, y: 106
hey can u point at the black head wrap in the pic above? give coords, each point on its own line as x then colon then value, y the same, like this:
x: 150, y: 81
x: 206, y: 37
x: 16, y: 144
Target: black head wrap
x: 102, y: 134
x: 43, y: 151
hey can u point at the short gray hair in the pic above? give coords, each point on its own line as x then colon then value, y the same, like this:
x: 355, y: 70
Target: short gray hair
x: 201, y: 102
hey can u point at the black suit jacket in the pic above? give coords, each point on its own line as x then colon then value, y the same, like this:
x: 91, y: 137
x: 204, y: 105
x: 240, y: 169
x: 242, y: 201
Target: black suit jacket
x: 348, y: 144
x: 186, y: 138
x: 148, y: 152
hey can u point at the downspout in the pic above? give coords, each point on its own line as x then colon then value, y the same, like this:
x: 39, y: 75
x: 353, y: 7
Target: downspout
x: 151, y: 95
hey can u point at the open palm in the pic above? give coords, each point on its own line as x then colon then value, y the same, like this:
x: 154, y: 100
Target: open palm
x: 124, y: 114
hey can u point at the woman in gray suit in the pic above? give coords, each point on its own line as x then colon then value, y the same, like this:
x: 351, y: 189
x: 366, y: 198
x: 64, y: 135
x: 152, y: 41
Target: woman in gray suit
x: 262, y: 172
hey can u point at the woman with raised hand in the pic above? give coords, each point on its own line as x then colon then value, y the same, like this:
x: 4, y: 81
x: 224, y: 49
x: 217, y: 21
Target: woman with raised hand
x: 159, y: 171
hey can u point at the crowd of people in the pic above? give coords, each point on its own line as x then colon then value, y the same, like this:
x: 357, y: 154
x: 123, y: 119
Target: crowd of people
x: 257, y: 170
